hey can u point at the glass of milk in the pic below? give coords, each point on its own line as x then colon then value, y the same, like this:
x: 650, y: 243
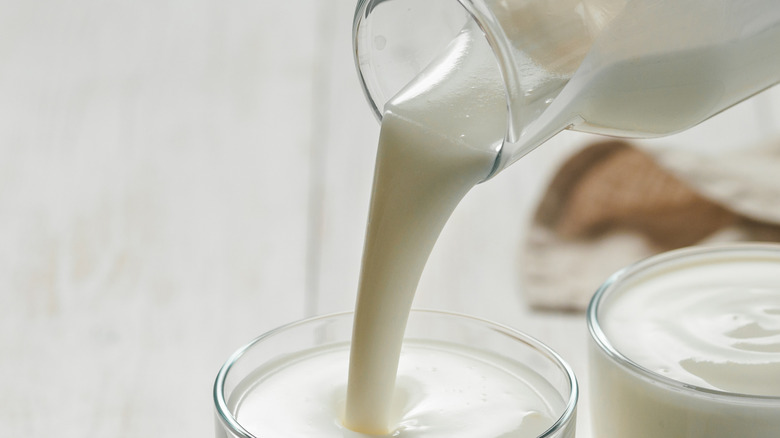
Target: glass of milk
x: 458, y: 377
x: 687, y: 344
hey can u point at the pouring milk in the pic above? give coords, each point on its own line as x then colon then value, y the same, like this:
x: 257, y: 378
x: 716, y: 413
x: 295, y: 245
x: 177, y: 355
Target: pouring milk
x: 444, y: 132
x: 439, y: 138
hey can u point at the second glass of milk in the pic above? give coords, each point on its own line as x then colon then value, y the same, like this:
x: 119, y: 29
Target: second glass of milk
x: 687, y: 344
x: 459, y: 376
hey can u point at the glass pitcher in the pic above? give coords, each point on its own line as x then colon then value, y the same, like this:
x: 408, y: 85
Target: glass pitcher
x: 628, y: 68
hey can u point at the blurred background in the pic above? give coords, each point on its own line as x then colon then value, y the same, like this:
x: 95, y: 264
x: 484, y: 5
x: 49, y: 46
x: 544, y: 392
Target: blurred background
x: 177, y: 177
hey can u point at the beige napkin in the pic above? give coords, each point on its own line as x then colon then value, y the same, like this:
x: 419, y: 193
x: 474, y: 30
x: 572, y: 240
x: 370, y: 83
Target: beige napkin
x: 613, y: 204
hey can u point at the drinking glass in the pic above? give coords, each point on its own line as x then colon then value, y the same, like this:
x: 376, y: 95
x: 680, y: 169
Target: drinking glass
x: 627, y: 399
x: 335, y: 331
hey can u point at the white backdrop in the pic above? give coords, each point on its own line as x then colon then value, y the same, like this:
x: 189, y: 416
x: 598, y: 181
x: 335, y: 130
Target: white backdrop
x: 177, y: 177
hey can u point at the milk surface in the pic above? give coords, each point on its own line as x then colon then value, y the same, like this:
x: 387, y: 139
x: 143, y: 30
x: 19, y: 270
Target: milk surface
x: 713, y: 325
x: 441, y: 392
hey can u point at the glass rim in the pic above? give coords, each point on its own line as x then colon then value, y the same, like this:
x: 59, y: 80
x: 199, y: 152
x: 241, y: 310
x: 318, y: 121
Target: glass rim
x: 616, y: 280
x: 228, y: 420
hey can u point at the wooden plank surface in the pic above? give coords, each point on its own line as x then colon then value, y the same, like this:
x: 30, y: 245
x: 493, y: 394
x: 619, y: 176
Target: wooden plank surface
x: 153, y: 204
x: 177, y: 177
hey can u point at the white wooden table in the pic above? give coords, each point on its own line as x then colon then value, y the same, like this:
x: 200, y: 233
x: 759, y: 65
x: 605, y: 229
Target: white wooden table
x: 178, y: 176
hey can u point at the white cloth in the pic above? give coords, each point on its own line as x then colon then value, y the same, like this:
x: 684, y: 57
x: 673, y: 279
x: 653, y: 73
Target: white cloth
x: 613, y: 204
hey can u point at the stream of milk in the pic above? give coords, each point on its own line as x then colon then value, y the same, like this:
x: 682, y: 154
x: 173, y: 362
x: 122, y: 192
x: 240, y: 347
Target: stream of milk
x: 438, y: 140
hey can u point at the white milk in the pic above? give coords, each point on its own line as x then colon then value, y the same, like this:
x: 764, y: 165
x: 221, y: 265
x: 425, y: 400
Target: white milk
x: 711, y: 322
x: 441, y: 392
